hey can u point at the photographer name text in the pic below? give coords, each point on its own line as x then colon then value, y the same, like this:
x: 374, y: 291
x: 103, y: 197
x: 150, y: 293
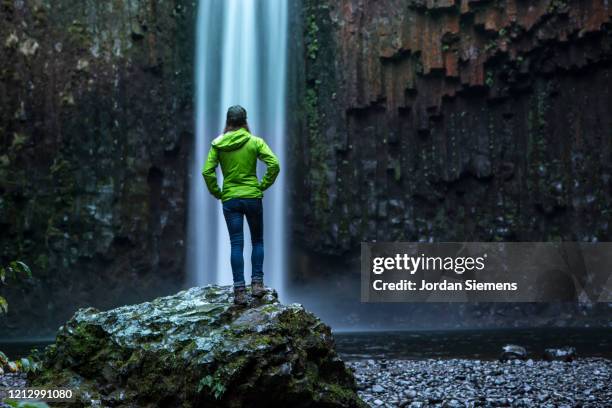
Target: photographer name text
x: 445, y: 285
x: 414, y: 264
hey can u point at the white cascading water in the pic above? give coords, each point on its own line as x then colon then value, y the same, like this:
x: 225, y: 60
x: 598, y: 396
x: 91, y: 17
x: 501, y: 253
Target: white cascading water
x: 240, y: 60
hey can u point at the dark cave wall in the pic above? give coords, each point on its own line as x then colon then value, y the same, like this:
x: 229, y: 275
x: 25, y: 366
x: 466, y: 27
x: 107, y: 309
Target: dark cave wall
x: 452, y: 120
x: 95, y: 133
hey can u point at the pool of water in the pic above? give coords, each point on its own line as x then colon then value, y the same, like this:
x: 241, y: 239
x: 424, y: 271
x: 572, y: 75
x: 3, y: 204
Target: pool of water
x: 15, y: 349
x: 472, y: 344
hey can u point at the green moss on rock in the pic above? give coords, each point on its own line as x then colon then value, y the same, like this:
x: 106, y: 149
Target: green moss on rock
x: 196, y: 349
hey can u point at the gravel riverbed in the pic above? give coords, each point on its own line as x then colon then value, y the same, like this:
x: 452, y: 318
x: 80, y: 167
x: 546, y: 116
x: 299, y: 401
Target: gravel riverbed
x: 473, y: 383
x: 470, y: 383
x: 12, y: 380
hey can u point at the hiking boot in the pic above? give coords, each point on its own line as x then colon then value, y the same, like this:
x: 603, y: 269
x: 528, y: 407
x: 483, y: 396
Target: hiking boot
x: 240, y: 298
x: 257, y: 289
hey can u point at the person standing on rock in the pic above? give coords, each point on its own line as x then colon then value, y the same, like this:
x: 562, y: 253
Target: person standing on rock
x: 237, y: 150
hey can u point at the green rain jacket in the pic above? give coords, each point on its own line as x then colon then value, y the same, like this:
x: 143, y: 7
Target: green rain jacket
x: 237, y: 152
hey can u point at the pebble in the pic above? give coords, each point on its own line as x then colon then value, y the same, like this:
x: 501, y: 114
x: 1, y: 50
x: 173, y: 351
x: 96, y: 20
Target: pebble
x: 410, y: 394
x: 455, y: 383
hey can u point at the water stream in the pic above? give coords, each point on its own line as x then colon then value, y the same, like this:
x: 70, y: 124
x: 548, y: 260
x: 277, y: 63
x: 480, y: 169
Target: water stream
x: 484, y: 344
x: 240, y: 59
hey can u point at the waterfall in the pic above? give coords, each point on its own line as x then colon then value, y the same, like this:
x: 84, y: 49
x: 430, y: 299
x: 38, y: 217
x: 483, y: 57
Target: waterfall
x: 240, y: 59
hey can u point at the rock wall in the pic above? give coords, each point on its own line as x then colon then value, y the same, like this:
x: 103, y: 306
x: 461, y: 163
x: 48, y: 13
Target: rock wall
x: 453, y: 120
x: 95, y: 122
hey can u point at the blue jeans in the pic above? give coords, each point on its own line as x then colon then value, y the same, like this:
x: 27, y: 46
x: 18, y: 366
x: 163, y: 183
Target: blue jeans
x: 234, y: 211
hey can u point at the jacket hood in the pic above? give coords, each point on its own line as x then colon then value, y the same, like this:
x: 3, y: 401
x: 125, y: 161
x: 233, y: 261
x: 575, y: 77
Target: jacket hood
x: 231, y: 140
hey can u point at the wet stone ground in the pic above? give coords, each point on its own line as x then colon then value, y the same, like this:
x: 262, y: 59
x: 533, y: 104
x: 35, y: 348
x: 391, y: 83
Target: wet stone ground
x: 472, y: 383
x: 11, y: 380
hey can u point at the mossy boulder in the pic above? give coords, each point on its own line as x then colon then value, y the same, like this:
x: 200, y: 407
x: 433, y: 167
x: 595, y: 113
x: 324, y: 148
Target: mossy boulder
x: 196, y: 349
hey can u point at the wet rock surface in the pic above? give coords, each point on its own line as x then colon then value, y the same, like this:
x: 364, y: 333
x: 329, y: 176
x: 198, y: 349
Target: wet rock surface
x: 560, y: 354
x: 196, y: 348
x: 513, y: 352
x: 476, y: 383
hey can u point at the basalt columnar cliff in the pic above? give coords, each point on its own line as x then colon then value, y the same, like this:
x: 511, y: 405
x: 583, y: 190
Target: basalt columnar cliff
x: 95, y: 132
x: 453, y: 120
x: 413, y: 120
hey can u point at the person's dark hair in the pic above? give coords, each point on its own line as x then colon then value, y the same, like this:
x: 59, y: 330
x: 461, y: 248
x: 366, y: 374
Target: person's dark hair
x: 236, y: 119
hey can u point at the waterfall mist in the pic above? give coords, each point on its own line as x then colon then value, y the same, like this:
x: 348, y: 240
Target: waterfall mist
x: 240, y: 59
